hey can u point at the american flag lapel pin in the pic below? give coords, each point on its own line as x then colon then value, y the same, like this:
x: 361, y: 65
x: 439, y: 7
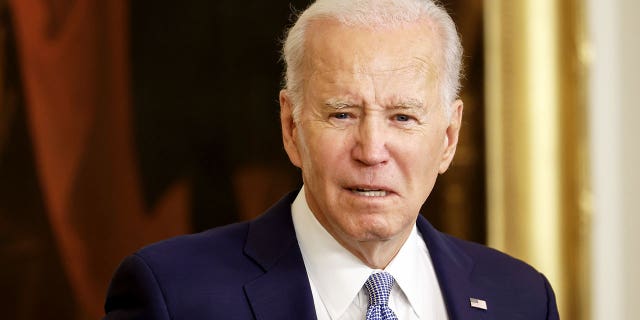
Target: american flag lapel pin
x: 477, y: 303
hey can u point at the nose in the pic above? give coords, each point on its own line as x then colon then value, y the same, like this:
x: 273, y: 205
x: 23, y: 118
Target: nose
x: 371, y: 142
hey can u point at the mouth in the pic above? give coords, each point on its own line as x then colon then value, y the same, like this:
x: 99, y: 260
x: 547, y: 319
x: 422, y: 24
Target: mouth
x: 370, y: 192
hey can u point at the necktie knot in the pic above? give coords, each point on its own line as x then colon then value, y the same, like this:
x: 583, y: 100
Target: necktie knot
x: 379, y: 286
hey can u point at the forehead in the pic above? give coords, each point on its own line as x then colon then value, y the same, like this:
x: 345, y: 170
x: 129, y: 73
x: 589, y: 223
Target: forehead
x: 381, y: 63
x: 406, y: 48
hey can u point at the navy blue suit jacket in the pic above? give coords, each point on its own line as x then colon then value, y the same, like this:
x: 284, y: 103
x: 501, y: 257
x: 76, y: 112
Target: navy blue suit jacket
x: 254, y: 270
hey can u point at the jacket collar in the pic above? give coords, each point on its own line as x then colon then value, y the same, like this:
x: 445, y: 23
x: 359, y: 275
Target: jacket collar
x: 453, y: 269
x: 283, y: 290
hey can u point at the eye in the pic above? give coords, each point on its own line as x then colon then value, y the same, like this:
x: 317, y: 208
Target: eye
x: 402, y: 117
x: 340, y: 115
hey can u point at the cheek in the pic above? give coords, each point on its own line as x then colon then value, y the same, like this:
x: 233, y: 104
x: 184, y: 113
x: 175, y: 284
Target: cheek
x: 327, y: 146
x: 319, y: 157
x: 420, y: 159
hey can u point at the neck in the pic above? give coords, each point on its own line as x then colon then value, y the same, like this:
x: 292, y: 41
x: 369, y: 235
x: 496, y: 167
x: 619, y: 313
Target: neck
x: 376, y: 254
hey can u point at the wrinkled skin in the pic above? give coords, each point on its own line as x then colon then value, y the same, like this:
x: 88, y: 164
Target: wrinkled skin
x: 372, y: 135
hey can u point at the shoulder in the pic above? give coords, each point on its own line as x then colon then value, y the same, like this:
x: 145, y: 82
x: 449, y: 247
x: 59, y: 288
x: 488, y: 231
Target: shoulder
x: 226, y: 244
x: 478, y: 258
x: 491, y: 262
x: 220, y: 240
x: 224, y: 248
x: 179, y: 277
x: 190, y: 261
x: 513, y: 287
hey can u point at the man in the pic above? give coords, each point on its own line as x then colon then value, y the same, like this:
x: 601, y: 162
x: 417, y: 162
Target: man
x: 370, y: 116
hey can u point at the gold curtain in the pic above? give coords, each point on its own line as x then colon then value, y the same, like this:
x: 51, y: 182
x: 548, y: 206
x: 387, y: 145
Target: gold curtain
x: 536, y: 150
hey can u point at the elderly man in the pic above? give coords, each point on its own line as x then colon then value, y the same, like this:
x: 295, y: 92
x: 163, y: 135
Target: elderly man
x: 370, y: 116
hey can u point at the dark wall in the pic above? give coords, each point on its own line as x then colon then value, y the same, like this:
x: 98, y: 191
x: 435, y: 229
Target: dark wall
x: 206, y: 76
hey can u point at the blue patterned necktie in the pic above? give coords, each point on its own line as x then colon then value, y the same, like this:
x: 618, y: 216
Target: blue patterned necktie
x: 379, y: 286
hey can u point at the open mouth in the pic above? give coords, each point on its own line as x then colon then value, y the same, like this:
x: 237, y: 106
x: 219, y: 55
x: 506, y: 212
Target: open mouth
x: 370, y: 192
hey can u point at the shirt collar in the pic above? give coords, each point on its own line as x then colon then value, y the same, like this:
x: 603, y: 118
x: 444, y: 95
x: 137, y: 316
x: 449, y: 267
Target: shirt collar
x: 411, y: 273
x: 338, y: 275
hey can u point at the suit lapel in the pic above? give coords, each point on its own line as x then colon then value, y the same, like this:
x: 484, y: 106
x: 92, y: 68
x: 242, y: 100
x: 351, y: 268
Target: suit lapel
x: 453, y: 269
x: 283, y: 290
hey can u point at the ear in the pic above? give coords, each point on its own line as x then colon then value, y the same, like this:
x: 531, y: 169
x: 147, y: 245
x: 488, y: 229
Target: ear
x: 289, y: 129
x: 451, y: 136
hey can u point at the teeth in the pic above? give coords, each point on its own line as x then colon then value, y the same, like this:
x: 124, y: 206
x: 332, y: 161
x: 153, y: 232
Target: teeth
x: 370, y: 193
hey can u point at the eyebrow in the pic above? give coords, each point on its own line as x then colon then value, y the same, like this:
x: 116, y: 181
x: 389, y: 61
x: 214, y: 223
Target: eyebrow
x: 409, y: 104
x: 338, y: 104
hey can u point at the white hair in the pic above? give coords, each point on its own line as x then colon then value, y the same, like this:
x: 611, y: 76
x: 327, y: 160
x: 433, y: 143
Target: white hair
x: 374, y: 13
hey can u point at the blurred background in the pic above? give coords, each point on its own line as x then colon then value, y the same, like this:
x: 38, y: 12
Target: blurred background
x: 126, y: 122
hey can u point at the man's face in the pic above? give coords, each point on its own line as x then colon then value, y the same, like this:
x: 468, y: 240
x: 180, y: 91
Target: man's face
x: 372, y: 135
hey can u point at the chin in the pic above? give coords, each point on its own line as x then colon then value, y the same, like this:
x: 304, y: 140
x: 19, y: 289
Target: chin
x: 375, y: 236
x: 375, y: 231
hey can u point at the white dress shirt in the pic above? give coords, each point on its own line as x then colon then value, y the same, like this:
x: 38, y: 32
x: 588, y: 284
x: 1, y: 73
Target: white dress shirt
x: 337, y: 277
